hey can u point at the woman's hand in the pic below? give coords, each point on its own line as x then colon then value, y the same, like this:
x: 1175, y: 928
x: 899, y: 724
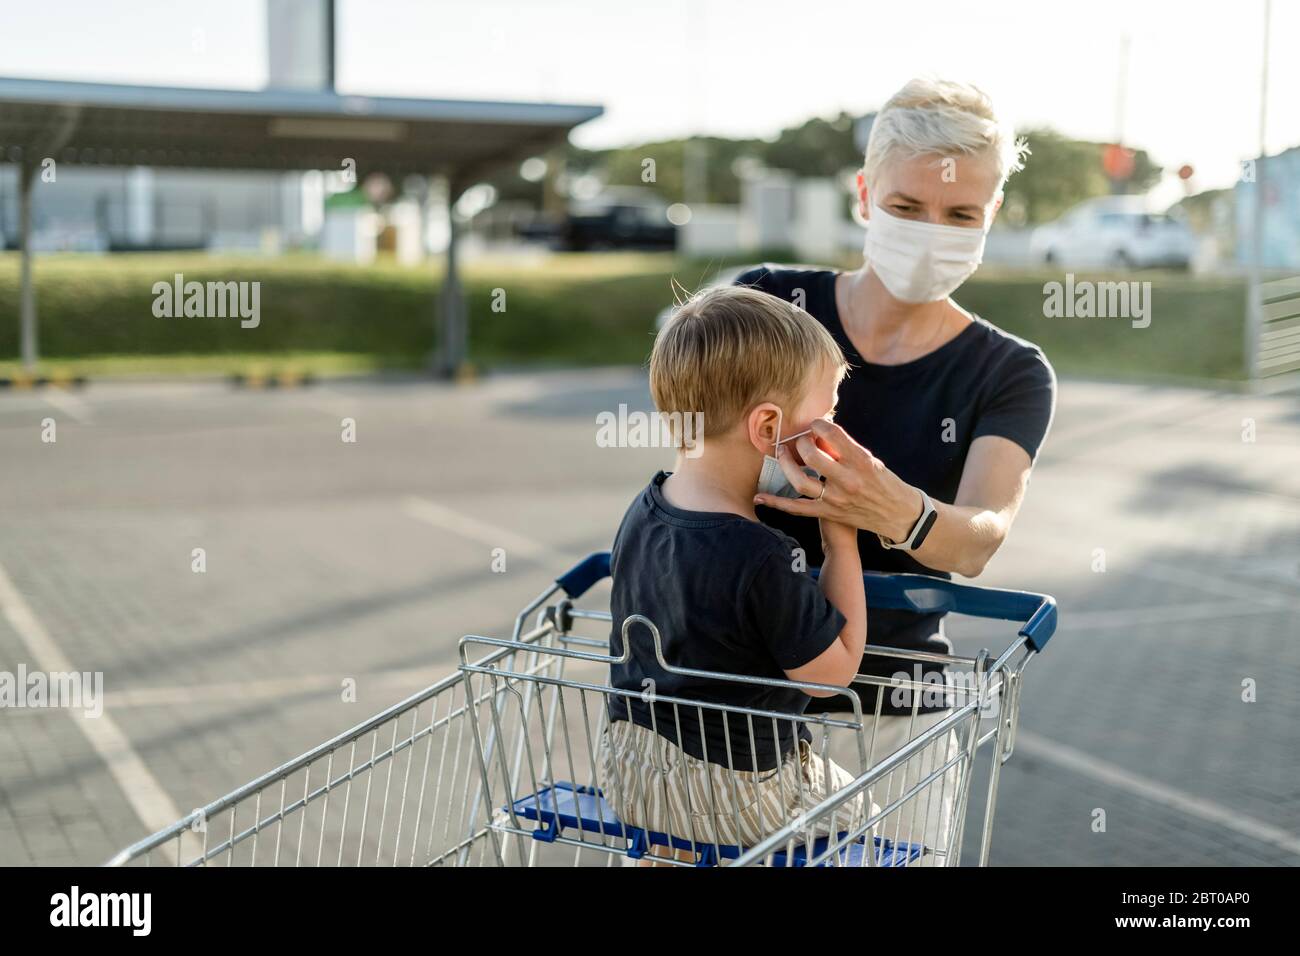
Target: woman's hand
x: 858, y: 489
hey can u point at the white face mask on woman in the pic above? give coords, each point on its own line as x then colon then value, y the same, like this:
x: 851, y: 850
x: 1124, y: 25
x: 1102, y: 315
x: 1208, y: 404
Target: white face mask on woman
x: 921, y: 261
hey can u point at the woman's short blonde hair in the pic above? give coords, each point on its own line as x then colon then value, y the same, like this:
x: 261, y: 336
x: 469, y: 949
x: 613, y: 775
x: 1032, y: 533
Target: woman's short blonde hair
x: 942, y: 118
x: 726, y: 349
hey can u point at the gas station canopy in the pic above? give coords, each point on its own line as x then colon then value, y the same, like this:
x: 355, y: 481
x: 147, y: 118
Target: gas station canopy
x: 115, y: 125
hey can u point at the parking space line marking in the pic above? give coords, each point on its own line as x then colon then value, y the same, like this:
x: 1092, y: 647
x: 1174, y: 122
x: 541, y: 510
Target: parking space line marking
x: 70, y: 405
x: 448, y: 520
x: 1126, y: 617
x: 1182, y: 576
x: 143, y: 792
x: 1152, y: 415
x: 1108, y: 773
x: 235, y: 692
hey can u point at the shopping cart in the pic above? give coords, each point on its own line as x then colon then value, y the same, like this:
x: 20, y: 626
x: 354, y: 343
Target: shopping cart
x: 507, y: 761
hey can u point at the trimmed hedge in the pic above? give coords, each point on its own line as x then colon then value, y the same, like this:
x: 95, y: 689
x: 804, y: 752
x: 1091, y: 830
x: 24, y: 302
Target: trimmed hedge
x: 572, y: 309
x: 104, y: 306
x: 1196, y: 331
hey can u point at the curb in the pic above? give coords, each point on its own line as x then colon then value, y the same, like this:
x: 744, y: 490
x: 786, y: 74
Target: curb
x: 21, y: 382
x: 258, y: 381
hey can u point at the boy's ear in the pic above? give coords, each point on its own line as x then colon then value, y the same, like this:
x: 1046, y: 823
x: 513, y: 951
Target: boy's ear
x: 762, y: 424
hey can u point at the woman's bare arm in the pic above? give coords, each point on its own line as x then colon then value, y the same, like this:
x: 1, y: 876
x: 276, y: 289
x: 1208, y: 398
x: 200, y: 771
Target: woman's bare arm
x: 863, y: 492
x: 968, y: 532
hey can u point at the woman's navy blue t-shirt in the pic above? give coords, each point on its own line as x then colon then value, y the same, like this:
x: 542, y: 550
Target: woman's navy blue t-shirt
x: 919, y: 418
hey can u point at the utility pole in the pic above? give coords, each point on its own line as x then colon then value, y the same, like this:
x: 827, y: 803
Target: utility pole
x: 1254, y: 291
x: 1119, y: 184
x: 1121, y: 90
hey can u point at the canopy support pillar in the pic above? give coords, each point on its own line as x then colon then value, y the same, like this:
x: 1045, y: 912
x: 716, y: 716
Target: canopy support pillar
x: 27, y: 294
x: 452, y: 355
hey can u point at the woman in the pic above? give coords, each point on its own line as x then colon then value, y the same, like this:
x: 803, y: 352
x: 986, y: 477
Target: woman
x: 942, y: 414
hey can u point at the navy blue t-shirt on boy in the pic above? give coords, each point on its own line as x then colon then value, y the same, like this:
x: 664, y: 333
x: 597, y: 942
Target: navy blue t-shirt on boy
x: 726, y: 596
x: 919, y: 418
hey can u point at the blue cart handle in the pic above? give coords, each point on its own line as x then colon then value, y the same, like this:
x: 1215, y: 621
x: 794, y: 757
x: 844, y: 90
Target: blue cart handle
x: 926, y: 595
x: 578, y: 580
x: 904, y: 592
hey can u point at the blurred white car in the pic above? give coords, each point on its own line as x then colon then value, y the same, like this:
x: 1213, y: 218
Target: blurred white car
x: 1111, y: 233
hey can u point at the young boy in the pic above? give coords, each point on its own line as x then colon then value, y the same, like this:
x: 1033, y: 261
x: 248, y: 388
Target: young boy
x: 727, y: 593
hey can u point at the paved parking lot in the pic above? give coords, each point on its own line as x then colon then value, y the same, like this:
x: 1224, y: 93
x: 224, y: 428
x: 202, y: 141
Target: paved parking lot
x: 328, y: 560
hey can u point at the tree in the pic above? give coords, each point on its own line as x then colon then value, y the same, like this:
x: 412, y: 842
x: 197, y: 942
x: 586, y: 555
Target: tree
x: 666, y: 162
x: 1062, y: 172
x: 817, y: 148
x: 1059, y: 173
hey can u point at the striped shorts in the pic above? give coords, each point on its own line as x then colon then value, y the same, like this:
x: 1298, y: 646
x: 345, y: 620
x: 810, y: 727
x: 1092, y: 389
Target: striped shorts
x: 650, y: 783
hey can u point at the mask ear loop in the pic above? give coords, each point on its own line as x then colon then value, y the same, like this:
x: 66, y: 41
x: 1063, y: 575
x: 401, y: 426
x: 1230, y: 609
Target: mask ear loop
x: 855, y: 213
x: 855, y: 209
x: 779, y: 440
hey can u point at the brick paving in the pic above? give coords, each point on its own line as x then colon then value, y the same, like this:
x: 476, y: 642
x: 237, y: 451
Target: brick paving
x: 319, y: 569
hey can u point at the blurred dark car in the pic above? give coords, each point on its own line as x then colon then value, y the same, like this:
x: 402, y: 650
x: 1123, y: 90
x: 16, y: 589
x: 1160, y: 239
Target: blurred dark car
x: 612, y: 226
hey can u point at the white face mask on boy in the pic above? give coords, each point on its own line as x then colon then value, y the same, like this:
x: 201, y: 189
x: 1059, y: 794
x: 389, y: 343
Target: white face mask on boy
x: 772, y: 480
x: 921, y: 261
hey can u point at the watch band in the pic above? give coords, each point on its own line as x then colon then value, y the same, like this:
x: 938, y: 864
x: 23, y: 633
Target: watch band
x: 916, y: 537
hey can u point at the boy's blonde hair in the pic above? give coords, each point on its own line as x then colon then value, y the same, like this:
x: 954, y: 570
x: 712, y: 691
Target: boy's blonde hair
x: 727, y: 349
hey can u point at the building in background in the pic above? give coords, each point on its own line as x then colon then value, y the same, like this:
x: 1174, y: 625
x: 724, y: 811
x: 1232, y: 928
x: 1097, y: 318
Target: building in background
x: 143, y: 209
x: 1280, y: 177
x: 147, y: 209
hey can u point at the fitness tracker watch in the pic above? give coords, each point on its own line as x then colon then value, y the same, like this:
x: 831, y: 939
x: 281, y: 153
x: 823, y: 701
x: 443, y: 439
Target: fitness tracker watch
x: 916, y: 536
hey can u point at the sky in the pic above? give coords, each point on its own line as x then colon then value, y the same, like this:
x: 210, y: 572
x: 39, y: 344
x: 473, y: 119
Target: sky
x: 740, y: 68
